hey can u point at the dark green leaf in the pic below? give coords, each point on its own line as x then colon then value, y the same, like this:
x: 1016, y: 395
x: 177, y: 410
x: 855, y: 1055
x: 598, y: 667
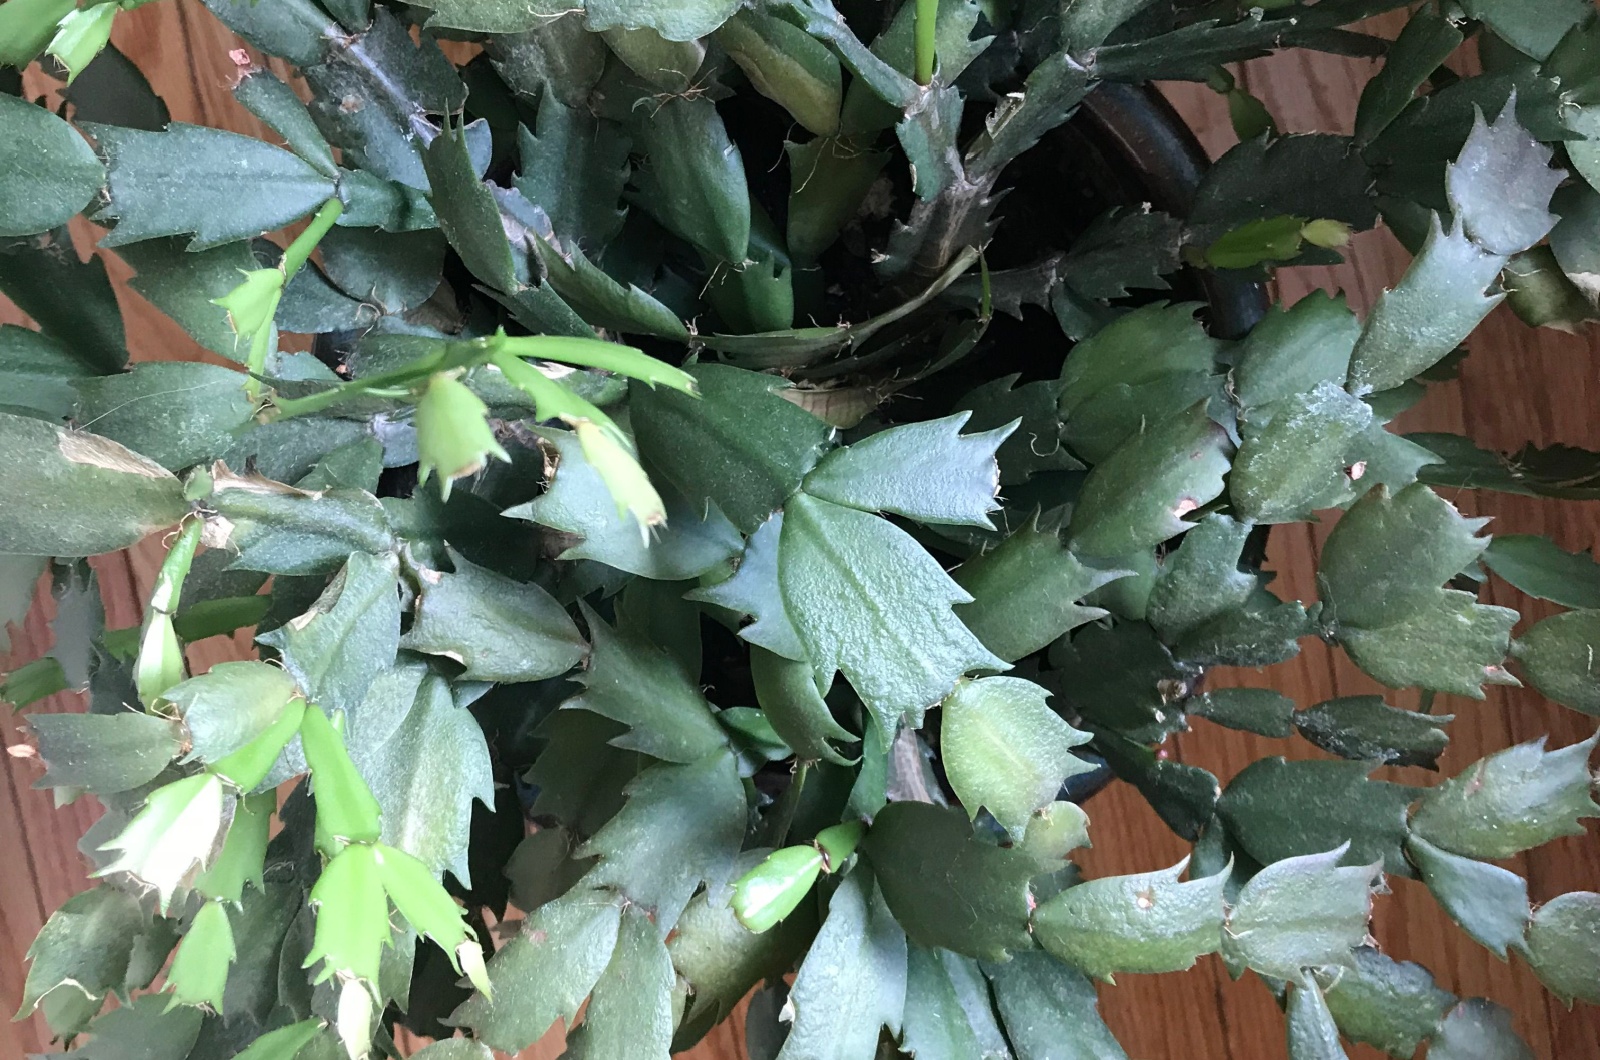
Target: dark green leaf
x: 1393, y: 1005
x: 579, y: 774
x: 1302, y: 912
x: 1312, y: 1032
x: 852, y: 981
x: 1451, y: 644
x: 1050, y: 1010
x: 1299, y: 459
x: 71, y: 493
x: 681, y: 827
x: 675, y: 22
x: 1558, y: 471
x: 1478, y: 1030
x: 692, y: 178
x: 177, y: 414
x: 1302, y: 175
x: 47, y: 172
x: 1184, y: 796
x: 184, y: 285
x: 352, y: 632
x: 741, y: 444
x: 753, y: 590
x: 1201, y: 579
x: 1035, y: 444
x: 295, y: 29
x: 1533, y: 31
x: 574, y: 170
x: 1557, y: 655
x: 147, y: 1029
x: 279, y: 529
x: 1122, y: 678
x: 558, y: 56
x: 1422, y: 46
x: 1511, y: 801
x: 696, y: 538
x: 1292, y: 350
x: 1277, y: 809
x: 1147, y: 922
x: 1026, y: 591
x: 936, y: 1027
x: 1388, y: 556
x: 1540, y: 567
x: 1004, y: 750
x: 1367, y: 729
x: 849, y: 580
x: 426, y: 777
x: 795, y: 707
x: 1138, y: 496
x: 1564, y: 946
x: 1490, y: 903
x: 631, y: 681
x: 1258, y: 710
x: 467, y: 211
x: 630, y: 1014
x: 721, y: 959
x: 85, y: 946
x: 496, y: 16
x: 275, y: 103
x: 499, y: 629
x: 70, y: 300
x: 37, y: 374
x: 1141, y: 347
x: 545, y: 972
x: 218, y: 185
x: 947, y: 887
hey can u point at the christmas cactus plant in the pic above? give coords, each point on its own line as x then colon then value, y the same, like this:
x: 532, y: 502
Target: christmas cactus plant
x: 732, y: 512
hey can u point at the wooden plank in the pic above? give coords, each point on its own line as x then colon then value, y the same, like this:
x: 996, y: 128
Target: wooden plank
x: 1519, y: 386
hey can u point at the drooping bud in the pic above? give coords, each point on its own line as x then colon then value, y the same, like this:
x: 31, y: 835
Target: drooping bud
x: 453, y: 432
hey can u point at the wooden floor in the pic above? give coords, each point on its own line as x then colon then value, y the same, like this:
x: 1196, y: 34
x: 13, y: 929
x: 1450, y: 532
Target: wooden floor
x: 1518, y: 386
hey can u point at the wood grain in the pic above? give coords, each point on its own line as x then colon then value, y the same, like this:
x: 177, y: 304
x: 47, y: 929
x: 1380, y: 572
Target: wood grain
x: 1518, y: 386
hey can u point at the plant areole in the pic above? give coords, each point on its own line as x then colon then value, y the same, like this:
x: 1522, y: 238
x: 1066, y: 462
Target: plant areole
x: 709, y: 488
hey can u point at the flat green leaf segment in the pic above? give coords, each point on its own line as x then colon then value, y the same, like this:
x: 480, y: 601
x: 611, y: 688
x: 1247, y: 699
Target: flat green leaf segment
x: 866, y: 599
x: 47, y: 171
x: 1150, y: 922
x: 740, y: 445
x: 632, y: 681
x: 928, y: 472
x: 1382, y: 567
x: 947, y: 886
x: 1005, y: 750
x: 247, y: 186
x: 77, y: 494
x: 498, y: 629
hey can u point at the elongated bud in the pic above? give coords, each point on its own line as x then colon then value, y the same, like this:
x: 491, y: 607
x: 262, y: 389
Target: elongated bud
x: 354, y: 1022
x: 470, y: 956
x: 453, y: 432
x: 160, y: 663
x: 770, y: 891
x: 82, y: 35
x: 619, y: 469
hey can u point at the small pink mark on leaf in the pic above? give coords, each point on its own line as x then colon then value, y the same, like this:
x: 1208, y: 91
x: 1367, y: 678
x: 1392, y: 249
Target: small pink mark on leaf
x: 1356, y: 470
x: 1185, y: 506
x: 240, y: 57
